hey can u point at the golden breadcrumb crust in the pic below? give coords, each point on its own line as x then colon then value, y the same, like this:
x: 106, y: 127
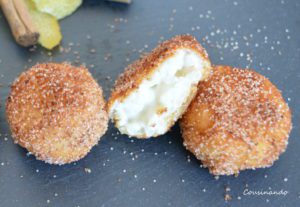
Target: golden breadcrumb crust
x: 238, y: 120
x: 57, y: 112
x: 141, y: 69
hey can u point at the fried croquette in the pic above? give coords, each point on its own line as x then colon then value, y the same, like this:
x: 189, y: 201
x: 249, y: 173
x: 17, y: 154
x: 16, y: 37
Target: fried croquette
x: 154, y: 91
x: 57, y: 112
x: 238, y: 120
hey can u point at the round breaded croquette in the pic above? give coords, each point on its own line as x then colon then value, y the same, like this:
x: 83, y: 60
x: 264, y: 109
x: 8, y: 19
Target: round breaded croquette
x: 154, y: 91
x: 57, y: 112
x: 238, y: 120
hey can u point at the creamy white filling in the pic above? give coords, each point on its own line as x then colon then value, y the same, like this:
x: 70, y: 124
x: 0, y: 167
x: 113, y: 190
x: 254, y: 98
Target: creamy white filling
x: 151, y: 108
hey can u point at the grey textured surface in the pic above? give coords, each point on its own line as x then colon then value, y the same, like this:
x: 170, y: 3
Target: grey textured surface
x: 264, y: 35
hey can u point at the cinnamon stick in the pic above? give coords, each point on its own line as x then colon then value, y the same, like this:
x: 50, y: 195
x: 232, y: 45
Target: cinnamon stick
x: 20, y: 22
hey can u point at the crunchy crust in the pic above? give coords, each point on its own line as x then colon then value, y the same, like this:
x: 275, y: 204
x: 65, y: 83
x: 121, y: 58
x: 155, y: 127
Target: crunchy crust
x: 136, y: 72
x: 238, y: 120
x: 57, y: 112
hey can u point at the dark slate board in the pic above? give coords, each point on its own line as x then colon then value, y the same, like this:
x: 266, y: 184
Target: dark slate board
x: 264, y: 35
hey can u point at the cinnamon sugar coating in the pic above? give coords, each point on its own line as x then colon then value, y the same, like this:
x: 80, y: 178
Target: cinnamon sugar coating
x: 57, y: 112
x: 136, y: 72
x: 238, y: 120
